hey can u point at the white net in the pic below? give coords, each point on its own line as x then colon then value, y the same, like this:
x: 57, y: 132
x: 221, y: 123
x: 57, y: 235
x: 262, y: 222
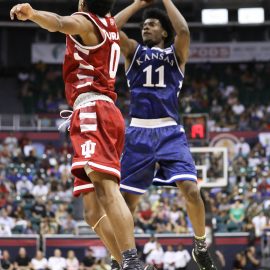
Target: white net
x: 212, y: 165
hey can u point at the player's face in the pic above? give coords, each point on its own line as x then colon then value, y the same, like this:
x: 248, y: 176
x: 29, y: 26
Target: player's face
x: 152, y: 32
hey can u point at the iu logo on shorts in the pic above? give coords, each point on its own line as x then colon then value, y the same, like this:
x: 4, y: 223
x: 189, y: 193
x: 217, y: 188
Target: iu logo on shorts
x: 88, y: 149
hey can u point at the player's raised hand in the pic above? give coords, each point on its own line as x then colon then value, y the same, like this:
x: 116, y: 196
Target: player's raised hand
x: 144, y: 3
x: 23, y: 12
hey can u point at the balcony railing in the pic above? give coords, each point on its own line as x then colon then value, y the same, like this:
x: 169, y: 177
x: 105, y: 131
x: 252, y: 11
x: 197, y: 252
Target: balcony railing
x: 9, y: 122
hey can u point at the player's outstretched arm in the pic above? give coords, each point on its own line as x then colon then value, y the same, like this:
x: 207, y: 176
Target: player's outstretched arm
x: 123, y: 16
x: 128, y: 46
x: 72, y: 25
x: 182, y: 39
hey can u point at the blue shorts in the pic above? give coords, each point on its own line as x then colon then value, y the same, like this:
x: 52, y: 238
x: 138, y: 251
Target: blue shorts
x: 158, y: 156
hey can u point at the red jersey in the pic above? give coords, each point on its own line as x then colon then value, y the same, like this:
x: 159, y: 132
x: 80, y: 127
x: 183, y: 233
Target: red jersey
x: 92, y: 68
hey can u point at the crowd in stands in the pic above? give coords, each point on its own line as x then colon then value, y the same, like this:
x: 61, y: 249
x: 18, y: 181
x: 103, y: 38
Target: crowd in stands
x: 236, y: 96
x: 56, y: 262
x: 162, y: 257
x: 36, y: 193
x: 36, y: 185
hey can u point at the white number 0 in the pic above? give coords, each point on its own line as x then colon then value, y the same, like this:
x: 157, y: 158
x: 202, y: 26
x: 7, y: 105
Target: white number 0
x: 114, y: 59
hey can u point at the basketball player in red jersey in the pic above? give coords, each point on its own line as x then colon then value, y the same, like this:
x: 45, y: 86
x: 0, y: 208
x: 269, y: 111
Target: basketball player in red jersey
x: 96, y: 126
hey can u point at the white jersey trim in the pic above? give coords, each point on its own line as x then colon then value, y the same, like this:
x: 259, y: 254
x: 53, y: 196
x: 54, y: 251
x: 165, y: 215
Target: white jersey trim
x: 99, y: 28
x: 83, y: 85
x: 176, y: 61
x: 81, y: 187
x: 177, y: 177
x: 133, y: 59
x: 96, y: 165
x: 138, y: 190
x: 153, y: 123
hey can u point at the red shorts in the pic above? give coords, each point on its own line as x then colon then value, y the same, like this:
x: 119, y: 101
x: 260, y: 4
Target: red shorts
x: 97, y: 133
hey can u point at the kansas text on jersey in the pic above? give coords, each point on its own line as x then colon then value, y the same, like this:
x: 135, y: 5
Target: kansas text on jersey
x: 155, y: 80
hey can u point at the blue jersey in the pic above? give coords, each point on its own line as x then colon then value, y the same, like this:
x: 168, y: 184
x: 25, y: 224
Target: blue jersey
x: 155, y: 80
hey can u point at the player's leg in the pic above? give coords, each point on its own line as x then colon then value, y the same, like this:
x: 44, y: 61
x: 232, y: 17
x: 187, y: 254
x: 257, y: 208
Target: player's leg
x: 195, y: 206
x: 96, y: 218
x: 177, y: 168
x: 132, y: 200
x: 118, y: 214
x: 137, y: 165
x: 195, y: 210
x: 97, y: 151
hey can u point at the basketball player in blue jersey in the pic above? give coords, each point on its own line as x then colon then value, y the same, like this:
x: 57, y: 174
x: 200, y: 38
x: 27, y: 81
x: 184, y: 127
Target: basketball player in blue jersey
x: 155, y: 73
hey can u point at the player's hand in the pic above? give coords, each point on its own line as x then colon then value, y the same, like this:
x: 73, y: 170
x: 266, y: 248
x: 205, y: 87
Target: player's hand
x: 144, y: 3
x: 23, y: 12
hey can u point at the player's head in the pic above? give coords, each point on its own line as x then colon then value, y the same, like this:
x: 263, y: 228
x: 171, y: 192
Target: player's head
x: 98, y: 7
x: 156, y: 27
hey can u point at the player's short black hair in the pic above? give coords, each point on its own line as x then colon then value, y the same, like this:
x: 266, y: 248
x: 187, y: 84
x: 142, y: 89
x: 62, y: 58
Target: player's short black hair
x: 156, y: 13
x: 100, y: 7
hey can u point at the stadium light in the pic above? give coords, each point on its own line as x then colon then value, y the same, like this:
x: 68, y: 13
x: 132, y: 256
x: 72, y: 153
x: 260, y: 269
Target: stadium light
x: 250, y: 15
x: 215, y: 16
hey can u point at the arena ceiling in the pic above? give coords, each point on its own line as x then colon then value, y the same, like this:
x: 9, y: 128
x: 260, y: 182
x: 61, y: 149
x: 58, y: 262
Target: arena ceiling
x: 190, y: 8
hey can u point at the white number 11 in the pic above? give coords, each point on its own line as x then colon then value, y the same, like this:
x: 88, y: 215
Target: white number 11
x: 149, y: 82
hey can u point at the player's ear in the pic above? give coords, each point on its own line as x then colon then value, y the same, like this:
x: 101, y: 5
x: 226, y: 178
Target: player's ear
x: 164, y: 34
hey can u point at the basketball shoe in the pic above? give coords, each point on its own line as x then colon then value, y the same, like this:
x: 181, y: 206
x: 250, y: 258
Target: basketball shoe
x: 203, y: 260
x: 115, y: 265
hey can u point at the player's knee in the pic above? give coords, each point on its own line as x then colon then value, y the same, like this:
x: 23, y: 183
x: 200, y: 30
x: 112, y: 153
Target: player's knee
x: 192, y: 194
x: 131, y: 200
x: 105, y: 194
x: 89, y: 217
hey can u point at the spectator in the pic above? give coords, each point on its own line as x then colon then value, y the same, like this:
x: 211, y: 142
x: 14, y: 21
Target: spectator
x: 29, y: 228
x: 242, y: 148
x: 7, y: 222
x: 149, y: 247
x: 5, y: 262
x: 5, y: 230
x: 72, y: 262
x: 169, y: 259
x: 253, y: 263
x: 11, y: 141
x: 4, y: 189
x: 238, y: 108
x: 250, y: 228
x: 101, y: 265
x: 145, y: 217
x: 39, y: 262
x: 156, y: 256
x: 259, y: 222
x: 61, y: 214
x: 40, y: 190
x: 22, y: 261
x: 182, y: 258
x: 237, y: 215
x: 239, y: 261
x: 88, y: 261
x: 68, y: 225
x: 48, y: 226
x: 39, y: 209
x: 24, y: 186
x: 57, y: 262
